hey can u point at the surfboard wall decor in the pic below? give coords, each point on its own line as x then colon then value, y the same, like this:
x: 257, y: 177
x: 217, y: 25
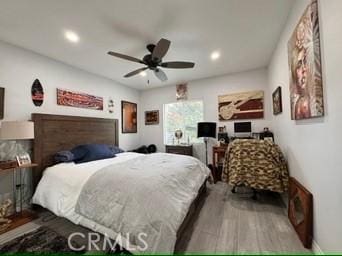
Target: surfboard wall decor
x: 37, y: 93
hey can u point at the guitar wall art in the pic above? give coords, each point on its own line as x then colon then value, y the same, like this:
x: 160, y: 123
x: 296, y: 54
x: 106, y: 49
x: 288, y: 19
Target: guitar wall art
x: 246, y: 105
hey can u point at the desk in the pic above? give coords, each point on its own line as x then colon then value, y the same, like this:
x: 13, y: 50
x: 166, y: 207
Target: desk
x: 218, y: 158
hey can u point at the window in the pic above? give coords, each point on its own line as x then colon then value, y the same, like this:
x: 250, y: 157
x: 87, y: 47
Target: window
x: 182, y: 116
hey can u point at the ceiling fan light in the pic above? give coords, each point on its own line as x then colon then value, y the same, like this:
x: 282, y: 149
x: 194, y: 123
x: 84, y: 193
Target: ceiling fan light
x: 143, y: 73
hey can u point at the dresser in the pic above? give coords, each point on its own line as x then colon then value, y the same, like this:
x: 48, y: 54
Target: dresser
x: 218, y: 158
x: 179, y: 149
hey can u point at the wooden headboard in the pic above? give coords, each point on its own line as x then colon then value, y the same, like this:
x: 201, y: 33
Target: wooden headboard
x: 54, y: 133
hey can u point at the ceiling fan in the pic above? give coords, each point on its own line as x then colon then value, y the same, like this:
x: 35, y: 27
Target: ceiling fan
x: 153, y: 60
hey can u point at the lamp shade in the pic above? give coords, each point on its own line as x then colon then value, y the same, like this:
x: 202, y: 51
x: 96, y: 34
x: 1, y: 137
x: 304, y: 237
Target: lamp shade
x: 206, y: 129
x: 17, y: 130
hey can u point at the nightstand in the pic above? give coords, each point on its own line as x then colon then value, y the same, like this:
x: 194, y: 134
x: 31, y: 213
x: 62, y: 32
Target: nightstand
x: 23, y: 216
x: 218, y: 158
x: 179, y: 149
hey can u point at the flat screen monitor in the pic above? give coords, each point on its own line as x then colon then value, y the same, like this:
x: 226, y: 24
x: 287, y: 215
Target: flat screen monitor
x: 243, y: 127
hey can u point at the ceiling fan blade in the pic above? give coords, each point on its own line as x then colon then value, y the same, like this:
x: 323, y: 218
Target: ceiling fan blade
x: 125, y: 57
x: 160, y: 49
x: 177, y: 64
x: 135, y: 72
x: 160, y: 74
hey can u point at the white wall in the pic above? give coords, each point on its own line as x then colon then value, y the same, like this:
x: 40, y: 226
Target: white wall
x: 313, y: 147
x: 19, y: 68
x: 208, y: 91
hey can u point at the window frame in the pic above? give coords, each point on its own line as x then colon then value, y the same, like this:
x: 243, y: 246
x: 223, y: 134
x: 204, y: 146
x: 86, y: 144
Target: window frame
x: 175, y: 102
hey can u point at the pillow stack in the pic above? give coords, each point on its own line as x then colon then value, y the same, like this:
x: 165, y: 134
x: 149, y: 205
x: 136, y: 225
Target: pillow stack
x: 87, y: 153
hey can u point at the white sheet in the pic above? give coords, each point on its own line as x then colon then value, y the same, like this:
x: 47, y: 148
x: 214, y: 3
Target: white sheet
x: 61, y: 186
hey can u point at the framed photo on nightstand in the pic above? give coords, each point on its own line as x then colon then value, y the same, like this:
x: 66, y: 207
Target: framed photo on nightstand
x: 23, y: 159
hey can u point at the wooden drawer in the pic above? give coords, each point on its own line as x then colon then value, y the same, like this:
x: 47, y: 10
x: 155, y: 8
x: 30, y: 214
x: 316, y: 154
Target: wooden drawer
x: 178, y: 149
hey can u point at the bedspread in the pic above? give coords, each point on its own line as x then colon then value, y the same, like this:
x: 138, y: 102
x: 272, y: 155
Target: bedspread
x: 257, y: 164
x: 148, y: 197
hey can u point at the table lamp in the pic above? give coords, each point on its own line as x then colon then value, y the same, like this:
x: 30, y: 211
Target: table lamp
x: 17, y: 130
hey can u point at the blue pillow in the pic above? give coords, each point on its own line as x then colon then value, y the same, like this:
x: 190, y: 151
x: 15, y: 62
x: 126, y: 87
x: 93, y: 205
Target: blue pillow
x: 79, y: 152
x: 116, y: 149
x: 92, y: 152
x: 64, y: 157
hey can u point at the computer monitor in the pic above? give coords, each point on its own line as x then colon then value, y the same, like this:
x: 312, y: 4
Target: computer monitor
x: 242, y: 127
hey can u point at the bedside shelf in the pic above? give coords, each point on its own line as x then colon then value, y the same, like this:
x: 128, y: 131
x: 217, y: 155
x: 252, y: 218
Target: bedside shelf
x: 19, y: 219
x: 24, y: 216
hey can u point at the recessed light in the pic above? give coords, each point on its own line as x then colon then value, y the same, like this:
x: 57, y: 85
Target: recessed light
x: 143, y: 73
x: 71, y: 36
x: 215, y: 55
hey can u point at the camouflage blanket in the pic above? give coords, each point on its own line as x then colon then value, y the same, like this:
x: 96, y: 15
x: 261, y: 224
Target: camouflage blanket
x: 257, y: 164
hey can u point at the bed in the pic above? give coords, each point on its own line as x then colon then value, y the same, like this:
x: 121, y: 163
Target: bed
x: 68, y: 189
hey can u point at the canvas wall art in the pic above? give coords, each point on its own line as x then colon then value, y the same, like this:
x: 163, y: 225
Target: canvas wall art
x: 277, y: 101
x: 79, y: 100
x: 246, y: 105
x: 129, y: 117
x: 306, y: 89
x: 182, y: 91
x: 152, y: 117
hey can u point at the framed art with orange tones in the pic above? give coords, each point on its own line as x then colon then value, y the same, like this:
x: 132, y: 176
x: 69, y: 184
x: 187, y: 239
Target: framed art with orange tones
x: 129, y: 117
x: 306, y: 88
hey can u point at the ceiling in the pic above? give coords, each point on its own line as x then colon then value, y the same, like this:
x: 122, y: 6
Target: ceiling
x: 244, y: 31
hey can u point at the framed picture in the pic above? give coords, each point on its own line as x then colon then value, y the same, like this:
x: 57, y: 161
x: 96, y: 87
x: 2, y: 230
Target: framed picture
x: 79, y: 100
x: 304, y: 50
x: 23, y: 159
x: 300, y: 211
x: 244, y: 105
x: 2, y: 102
x: 277, y: 101
x: 129, y: 117
x: 152, y: 117
x: 182, y: 91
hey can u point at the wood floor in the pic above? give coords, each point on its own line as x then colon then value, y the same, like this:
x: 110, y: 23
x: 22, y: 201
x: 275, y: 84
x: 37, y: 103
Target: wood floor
x: 227, y: 223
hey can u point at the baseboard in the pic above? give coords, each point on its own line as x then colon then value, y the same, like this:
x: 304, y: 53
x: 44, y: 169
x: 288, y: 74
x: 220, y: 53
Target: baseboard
x: 316, y: 249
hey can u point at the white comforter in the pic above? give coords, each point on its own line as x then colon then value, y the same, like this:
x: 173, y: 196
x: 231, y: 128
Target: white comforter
x: 61, y: 185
